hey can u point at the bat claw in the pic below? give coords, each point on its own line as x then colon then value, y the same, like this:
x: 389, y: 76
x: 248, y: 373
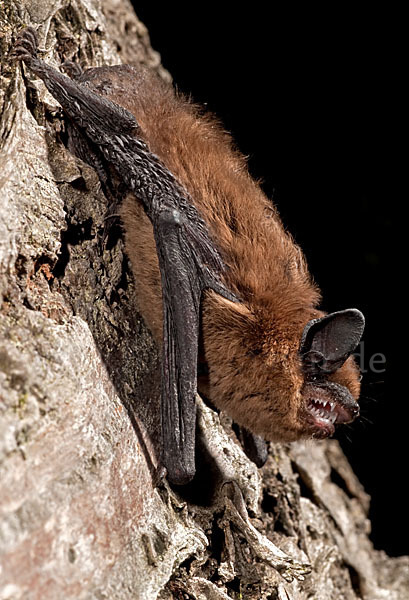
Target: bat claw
x: 25, y: 47
x: 28, y: 34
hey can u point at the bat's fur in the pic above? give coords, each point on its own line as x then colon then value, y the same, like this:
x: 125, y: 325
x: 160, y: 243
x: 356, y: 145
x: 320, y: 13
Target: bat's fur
x: 251, y: 349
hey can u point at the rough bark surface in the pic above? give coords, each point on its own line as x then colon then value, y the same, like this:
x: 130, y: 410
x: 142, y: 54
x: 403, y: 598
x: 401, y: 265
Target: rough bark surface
x: 79, y: 514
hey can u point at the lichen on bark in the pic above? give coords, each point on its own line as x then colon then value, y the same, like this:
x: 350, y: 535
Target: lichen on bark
x: 79, y: 428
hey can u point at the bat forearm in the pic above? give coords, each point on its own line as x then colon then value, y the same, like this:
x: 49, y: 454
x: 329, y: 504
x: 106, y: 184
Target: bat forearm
x: 112, y: 128
x: 114, y: 131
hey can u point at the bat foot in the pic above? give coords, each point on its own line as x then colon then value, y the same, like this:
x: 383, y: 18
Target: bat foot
x: 26, y: 45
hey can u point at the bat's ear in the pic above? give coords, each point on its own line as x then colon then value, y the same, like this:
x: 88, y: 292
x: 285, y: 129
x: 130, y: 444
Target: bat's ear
x: 327, y: 342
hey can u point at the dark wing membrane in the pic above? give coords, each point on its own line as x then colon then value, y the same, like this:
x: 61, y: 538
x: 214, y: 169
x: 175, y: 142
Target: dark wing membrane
x: 188, y: 259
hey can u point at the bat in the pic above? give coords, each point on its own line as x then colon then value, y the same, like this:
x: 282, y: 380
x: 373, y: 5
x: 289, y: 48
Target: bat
x: 222, y: 286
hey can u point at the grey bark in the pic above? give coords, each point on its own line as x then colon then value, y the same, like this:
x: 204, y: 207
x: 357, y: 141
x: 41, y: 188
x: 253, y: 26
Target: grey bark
x: 79, y: 514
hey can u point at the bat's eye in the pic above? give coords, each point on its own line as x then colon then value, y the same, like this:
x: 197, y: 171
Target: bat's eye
x: 254, y: 352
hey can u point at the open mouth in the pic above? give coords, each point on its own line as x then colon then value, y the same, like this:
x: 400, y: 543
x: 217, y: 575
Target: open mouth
x: 327, y: 404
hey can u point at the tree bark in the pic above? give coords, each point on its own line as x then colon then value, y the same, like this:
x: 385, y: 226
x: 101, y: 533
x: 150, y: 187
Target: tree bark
x: 79, y: 421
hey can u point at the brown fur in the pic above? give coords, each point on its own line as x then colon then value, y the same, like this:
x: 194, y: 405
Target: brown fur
x: 251, y: 348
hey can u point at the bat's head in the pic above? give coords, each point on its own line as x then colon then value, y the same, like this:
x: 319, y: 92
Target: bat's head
x: 287, y: 379
x: 331, y: 380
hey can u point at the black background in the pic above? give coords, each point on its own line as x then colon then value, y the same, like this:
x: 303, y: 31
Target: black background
x: 314, y: 101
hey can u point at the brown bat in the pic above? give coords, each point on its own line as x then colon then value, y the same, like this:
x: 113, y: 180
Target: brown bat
x: 212, y: 263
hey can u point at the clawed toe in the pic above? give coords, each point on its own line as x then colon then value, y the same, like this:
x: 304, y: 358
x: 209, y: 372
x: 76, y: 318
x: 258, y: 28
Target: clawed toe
x: 25, y: 47
x: 28, y: 34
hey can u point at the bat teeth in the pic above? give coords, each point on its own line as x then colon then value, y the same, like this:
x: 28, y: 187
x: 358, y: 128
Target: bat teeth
x: 323, y: 409
x: 327, y: 412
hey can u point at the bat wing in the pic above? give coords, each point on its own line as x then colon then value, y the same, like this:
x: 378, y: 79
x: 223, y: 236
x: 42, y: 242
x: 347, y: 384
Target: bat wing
x: 181, y: 299
x: 188, y: 259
